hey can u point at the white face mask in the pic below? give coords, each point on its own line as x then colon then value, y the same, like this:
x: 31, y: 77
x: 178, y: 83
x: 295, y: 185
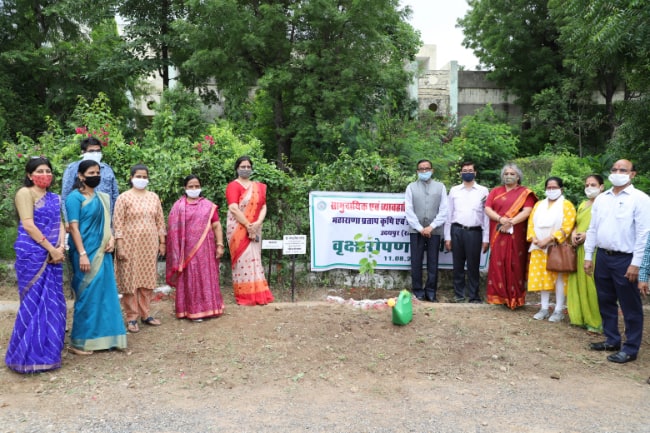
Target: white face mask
x: 193, y: 193
x: 139, y: 183
x: 619, y: 179
x: 592, y: 191
x: 93, y: 156
x: 553, y: 194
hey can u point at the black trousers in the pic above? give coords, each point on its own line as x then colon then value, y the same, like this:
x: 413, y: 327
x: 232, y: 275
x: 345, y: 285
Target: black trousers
x: 420, y: 245
x: 466, y: 250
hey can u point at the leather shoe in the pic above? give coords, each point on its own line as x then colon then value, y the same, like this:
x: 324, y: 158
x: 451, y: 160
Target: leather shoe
x: 603, y: 346
x: 621, y: 357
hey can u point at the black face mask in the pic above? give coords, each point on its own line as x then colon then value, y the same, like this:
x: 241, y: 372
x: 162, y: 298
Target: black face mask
x: 92, y: 181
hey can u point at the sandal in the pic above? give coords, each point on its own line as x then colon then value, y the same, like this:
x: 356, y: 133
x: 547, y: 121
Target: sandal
x: 132, y: 326
x: 151, y: 321
x: 76, y: 351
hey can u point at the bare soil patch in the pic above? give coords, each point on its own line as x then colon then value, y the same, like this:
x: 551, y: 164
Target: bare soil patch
x: 316, y: 365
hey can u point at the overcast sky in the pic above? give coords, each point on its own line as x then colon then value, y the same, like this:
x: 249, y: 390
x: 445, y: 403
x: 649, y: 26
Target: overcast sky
x: 436, y: 21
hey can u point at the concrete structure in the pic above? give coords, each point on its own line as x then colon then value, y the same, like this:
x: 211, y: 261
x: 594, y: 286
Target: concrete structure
x: 450, y: 91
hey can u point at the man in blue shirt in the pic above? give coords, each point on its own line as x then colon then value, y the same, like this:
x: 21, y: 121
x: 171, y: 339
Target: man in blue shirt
x: 91, y: 148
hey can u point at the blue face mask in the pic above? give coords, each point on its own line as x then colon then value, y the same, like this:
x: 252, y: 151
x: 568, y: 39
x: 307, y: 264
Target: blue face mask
x: 424, y: 176
x: 468, y: 177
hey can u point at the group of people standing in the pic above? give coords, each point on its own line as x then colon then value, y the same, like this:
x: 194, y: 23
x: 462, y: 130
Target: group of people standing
x: 609, y: 231
x: 114, y: 244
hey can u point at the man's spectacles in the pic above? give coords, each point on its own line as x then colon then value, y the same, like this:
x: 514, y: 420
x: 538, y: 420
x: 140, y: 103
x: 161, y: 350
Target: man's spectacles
x: 619, y: 170
x: 467, y: 171
x: 424, y: 170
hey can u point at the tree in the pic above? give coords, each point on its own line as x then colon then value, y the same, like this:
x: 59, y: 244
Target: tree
x: 50, y: 52
x: 586, y: 56
x: 150, y: 35
x: 318, y: 63
x: 487, y: 141
x: 517, y: 40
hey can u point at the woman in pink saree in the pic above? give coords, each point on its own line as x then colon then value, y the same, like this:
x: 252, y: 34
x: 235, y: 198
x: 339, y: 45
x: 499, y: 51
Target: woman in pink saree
x: 194, y: 248
x: 246, y: 213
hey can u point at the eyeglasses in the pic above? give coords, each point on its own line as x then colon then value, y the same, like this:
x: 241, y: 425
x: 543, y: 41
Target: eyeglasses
x: 424, y: 170
x: 467, y: 171
x: 39, y: 157
x: 619, y: 170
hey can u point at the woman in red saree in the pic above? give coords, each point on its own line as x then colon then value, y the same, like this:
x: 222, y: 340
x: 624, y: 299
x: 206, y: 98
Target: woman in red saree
x: 246, y: 212
x: 194, y: 247
x: 508, y: 207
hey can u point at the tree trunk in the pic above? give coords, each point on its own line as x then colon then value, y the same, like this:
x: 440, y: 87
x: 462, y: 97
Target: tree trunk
x: 281, y: 139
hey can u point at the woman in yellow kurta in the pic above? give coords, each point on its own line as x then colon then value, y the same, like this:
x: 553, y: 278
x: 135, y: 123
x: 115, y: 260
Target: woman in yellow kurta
x: 551, y: 220
x: 582, y: 299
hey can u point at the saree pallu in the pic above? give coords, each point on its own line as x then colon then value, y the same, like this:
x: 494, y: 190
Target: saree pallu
x: 508, y: 252
x: 249, y: 284
x: 97, y: 322
x: 582, y: 298
x: 192, y: 266
x: 39, y: 332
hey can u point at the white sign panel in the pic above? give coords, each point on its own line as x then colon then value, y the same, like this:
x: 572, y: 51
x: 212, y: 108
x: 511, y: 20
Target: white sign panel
x: 347, y: 227
x: 294, y: 244
x: 271, y: 244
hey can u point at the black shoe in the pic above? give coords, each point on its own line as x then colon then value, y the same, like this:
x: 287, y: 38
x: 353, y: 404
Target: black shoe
x: 420, y: 298
x: 621, y: 357
x: 602, y: 346
x: 459, y: 300
x: 475, y: 301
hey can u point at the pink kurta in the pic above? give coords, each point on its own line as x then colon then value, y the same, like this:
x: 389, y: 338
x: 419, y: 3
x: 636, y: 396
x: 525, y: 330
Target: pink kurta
x: 139, y: 221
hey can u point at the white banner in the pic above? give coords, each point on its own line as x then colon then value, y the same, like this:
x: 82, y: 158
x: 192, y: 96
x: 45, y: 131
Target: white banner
x: 348, y: 227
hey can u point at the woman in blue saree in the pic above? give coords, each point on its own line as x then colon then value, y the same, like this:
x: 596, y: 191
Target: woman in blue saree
x: 97, y: 322
x: 39, y: 332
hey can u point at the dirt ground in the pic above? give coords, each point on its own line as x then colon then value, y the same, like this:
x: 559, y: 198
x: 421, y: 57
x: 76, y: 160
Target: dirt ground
x: 317, y: 365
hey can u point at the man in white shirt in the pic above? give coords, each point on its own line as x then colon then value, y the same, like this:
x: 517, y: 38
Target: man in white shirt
x: 620, y: 220
x: 426, y: 213
x: 467, y: 232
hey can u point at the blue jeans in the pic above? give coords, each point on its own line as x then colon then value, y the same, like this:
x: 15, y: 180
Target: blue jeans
x: 420, y: 244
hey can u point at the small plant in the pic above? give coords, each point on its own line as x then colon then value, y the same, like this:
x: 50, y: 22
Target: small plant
x: 367, y: 264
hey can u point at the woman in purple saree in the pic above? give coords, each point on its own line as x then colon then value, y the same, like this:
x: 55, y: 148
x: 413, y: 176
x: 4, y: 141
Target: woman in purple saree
x: 39, y: 332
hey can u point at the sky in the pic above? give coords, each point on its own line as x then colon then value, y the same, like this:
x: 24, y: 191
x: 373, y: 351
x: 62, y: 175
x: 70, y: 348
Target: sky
x: 436, y: 21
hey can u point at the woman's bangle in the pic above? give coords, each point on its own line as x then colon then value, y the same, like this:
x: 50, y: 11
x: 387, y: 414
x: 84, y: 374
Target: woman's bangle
x: 82, y: 253
x: 220, y: 244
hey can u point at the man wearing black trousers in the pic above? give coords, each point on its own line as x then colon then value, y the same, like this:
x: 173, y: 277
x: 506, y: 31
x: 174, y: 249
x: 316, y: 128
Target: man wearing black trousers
x: 620, y: 220
x: 467, y: 232
x: 426, y: 213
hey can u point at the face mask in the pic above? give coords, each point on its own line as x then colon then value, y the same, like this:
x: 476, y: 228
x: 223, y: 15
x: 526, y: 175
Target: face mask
x: 244, y: 173
x: 42, y: 180
x: 509, y: 179
x: 92, y: 181
x: 193, y: 193
x: 553, y: 194
x: 140, y: 183
x: 467, y: 177
x: 592, y: 191
x: 424, y: 176
x: 619, y: 179
x: 93, y: 156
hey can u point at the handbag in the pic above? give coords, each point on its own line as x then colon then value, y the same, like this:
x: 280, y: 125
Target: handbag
x: 561, y: 258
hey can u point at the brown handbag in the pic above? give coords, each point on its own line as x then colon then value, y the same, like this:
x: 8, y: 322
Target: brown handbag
x: 561, y: 257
